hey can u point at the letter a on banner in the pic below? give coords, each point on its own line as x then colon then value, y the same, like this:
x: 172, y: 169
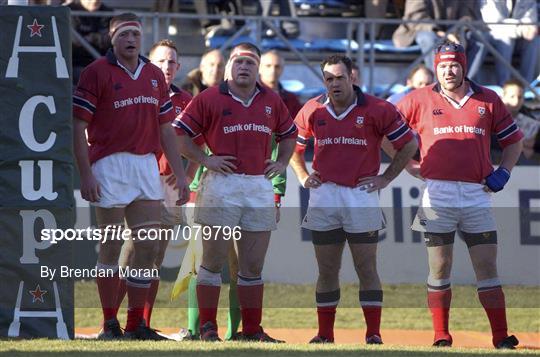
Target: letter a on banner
x: 15, y: 326
x: 13, y: 64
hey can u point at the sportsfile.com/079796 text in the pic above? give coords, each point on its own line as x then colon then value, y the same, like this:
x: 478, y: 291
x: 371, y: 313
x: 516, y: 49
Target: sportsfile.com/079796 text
x: 113, y: 232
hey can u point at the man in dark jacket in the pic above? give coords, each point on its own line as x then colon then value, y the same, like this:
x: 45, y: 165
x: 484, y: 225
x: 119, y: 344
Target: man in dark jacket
x: 94, y: 29
x: 427, y: 34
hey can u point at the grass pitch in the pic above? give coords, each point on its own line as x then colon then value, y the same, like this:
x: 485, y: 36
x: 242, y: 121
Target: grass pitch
x: 43, y: 348
x: 293, y: 306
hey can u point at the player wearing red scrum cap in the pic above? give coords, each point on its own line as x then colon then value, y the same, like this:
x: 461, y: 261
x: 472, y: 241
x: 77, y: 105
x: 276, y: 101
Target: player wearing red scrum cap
x: 454, y: 120
x: 348, y: 127
x: 237, y: 120
x: 123, y: 102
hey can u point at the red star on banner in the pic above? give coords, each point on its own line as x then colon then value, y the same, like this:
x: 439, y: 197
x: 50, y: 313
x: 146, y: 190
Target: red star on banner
x: 35, y: 28
x: 37, y: 294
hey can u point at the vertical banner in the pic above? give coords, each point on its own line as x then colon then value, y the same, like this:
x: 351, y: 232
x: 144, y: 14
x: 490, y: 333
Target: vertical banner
x: 36, y: 170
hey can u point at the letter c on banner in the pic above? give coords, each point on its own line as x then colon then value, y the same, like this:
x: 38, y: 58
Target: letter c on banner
x: 26, y: 123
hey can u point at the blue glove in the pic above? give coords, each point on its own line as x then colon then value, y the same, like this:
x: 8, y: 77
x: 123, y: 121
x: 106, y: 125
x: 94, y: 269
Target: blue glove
x: 497, y: 179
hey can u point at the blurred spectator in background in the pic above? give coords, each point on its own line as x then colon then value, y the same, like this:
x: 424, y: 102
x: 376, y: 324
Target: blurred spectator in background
x: 223, y: 26
x: 166, y: 6
x: 204, y: 7
x: 532, y: 146
x: 419, y: 77
x: 375, y: 9
x: 270, y: 70
x: 94, y: 29
x: 210, y: 73
x: 513, y: 99
x: 45, y: 2
x: 201, y: 8
x: 286, y: 9
x: 356, y: 75
x: 428, y: 34
x: 508, y: 39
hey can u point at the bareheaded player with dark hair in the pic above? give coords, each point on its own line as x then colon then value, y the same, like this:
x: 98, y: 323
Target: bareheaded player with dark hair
x: 348, y: 127
x: 237, y: 119
x: 123, y: 103
x: 454, y: 119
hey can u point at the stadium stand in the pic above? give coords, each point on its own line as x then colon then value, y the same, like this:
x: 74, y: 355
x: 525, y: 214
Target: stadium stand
x: 384, y: 64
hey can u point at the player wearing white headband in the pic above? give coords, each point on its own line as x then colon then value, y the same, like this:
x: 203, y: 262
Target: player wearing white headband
x: 122, y: 27
x: 237, y: 119
x: 123, y: 102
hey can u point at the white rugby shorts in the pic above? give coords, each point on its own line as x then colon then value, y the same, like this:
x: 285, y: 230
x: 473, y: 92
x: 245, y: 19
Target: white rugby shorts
x: 333, y: 206
x: 448, y: 206
x: 171, y: 214
x: 125, y: 177
x: 233, y: 200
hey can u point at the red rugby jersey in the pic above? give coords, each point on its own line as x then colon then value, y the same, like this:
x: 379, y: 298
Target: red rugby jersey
x: 291, y: 101
x: 455, y: 143
x: 180, y: 99
x: 124, y: 110
x: 348, y: 146
x: 231, y: 128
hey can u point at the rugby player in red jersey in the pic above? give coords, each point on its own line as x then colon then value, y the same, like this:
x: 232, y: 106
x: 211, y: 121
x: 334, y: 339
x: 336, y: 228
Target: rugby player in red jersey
x: 122, y: 102
x: 348, y: 127
x: 237, y: 120
x: 454, y: 120
x: 164, y: 55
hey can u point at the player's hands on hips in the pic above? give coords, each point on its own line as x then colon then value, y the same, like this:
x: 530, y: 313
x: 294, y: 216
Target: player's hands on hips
x: 495, y: 181
x: 221, y: 164
x: 313, y: 180
x: 183, y: 191
x: 373, y: 183
x: 171, y: 180
x: 274, y: 168
x: 90, y: 188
